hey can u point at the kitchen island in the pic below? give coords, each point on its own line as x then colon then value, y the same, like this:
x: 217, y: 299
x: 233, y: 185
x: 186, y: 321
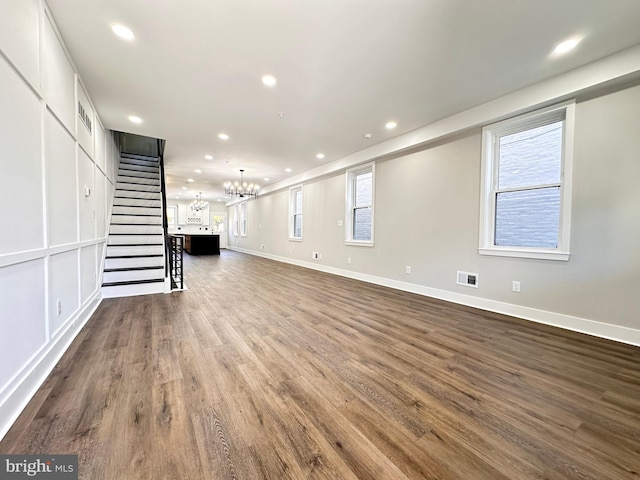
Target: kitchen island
x: 202, y: 244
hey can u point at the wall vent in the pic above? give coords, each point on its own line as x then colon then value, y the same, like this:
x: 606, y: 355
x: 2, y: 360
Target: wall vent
x: 467, y: 279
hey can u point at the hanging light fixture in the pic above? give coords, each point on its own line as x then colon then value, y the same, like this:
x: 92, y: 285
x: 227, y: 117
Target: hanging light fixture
x: 241, y: 189
x: 198, y: 204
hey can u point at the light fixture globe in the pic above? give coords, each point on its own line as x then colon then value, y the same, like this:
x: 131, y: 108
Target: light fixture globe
x: 198, y: 204
x: 241, y: 189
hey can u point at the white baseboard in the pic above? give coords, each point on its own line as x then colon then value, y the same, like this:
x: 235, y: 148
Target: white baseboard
x: 17, y: 394
x: 590, y: 327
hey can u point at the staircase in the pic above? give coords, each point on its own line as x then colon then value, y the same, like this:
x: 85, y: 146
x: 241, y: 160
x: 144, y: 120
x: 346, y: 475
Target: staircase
x: 134, y: 262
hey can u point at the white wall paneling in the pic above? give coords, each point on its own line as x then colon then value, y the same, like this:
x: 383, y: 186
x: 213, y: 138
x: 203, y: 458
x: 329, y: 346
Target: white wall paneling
x: 45, y: 165
x: 21, y: 160
x: 63, y: 287
x: 58, y: 77
x: 62, y: 185
x: 23, y: 316
x: 100, y: 261
x: 101, y: 206
x: 86, y: 196
x: 100, y: 146
x: 88, y: 272
x: 20, y: 37
x: 85, y: 120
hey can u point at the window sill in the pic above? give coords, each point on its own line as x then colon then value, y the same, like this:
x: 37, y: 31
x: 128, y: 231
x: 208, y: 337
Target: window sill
x: 295, y: 239
x: 358, y: 244
x: 537, y: 254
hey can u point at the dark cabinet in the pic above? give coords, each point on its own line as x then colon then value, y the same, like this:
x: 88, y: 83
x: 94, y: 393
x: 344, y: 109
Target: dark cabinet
x: 202, y: 244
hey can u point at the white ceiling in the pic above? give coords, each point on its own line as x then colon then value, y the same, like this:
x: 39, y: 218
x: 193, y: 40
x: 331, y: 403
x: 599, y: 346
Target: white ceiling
x: 344, y: 68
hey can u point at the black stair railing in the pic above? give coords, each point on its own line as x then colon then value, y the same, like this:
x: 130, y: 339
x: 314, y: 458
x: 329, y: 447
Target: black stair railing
x: 175, y: 260
x: 174, y: 244
x: 165, y: 223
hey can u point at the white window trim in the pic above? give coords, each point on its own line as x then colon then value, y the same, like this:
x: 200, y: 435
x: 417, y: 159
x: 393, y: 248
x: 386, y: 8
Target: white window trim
x: 489, y: 173
x: 292, y: 192
x: 244, y: 219
x: 236, y: 220
x: 349, y: 192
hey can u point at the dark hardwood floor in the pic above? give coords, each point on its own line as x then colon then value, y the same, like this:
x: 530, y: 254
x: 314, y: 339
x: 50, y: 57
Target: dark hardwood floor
x: 264, y: 370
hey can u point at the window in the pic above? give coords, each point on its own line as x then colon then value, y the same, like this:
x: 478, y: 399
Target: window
x: 526, y: 187
x: 217, y: 223
x: 359, y: 205
x: 236, y: 220
x: 243, y: 219
x: 295, y: 213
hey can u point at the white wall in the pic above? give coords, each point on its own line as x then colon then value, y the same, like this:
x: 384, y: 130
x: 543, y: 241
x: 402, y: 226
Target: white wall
x: 52, y: 236
x: 427, y: 217
x: 214, y: 208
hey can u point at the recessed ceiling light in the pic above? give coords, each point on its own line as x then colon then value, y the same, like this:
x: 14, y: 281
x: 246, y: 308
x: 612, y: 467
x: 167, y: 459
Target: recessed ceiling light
x: 269, y: 80
x: 223, y: 136
x: 184, y: 188
x: 288, y: 170
x: 197, y: 170
x: 320, y: 156
x: 177, y: 197
x: 190, y: 180
x: 390, y: 125
x: 208, y: 157
x: 266, y: 179
x: 134, y: 119
x: 123, y: 32
x: 219, y: 199
x: 367, y: 135
x: 566, y: 46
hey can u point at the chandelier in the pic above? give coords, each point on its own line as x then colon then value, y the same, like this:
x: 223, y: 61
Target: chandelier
x: 198, y: 204
x: 241, y: 189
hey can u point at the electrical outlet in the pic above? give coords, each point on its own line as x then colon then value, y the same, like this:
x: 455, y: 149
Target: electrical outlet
x: 349, y: 260
x: 340, y: 223
x: 59, y: 307
x: 315, y: 255
x: 407, y: 270
x: 515, y: 286
x: 262, y: 246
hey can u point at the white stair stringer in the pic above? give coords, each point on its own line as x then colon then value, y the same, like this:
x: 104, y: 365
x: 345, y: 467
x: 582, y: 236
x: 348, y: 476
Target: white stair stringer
x: 135, y: 256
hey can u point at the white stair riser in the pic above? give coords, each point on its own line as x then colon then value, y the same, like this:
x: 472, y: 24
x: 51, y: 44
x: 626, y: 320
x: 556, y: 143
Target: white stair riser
x: 140, y: 168
x: 154, y: 182
x: 132, y: 275
x: 137, y: 250
x: 135, y: 210
x: 120, y: 219
x: 129, y: 229
x: 129, y: 239
x: 137, y: 187
x: 130, y: 290
x: 135, y: 156
x: 137, y: 194
x: 128, y: 163
x: 133, y: 262
x: 126, y: 172
x: 140, y: 202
